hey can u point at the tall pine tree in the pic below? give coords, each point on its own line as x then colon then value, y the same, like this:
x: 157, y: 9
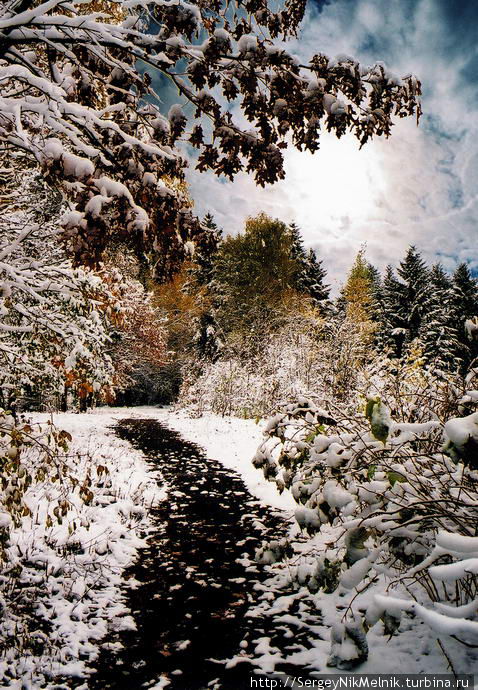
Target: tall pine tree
x: 359, y: 296
x: 439, y: 334
x: 206, y: 250
x: 393, y: 331
x: 310, y: 272
x: 412, y: 295
x: 464, y: 305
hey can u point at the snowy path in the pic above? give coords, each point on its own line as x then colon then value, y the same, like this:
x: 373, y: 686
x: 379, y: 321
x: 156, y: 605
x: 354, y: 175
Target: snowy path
x: 193, y: 584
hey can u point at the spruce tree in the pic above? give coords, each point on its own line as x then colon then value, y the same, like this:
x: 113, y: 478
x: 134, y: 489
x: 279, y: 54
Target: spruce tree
x: 464, y: 305
x: 206, y: 250
x: 376, y: 306
x: 439, y: 334
x: 413, y: 294
x: 391, y: 336
x: 207, y: 339
x: 310, y: 272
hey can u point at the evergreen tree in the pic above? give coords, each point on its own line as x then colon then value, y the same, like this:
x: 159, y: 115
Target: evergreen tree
x: 207, y: 339
x: 314, y: 279
x: 464, y: 305
x: 439, y: 333
x: 413, y: 293
x: 206, y: 250
x: 310, y: 272
x: 376, y: 306
x: 392, y: 332
x: 358, y: 296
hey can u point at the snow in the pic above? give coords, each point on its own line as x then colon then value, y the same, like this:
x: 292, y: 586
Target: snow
x: 441, y: 624
x: 247, y: 44
x: 460, y: 430
x: 352, y: 577
x: 454, y: 571
x: 95, y: 205
x: 231, y: 441
x: 78, y: 602
x: 456, y: 543
x: 108, y: 187
x: 73, y: 165
x: 175, y: 113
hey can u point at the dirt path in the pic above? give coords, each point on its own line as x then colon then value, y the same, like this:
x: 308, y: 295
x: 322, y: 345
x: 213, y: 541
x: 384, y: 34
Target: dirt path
x: 196, y: 579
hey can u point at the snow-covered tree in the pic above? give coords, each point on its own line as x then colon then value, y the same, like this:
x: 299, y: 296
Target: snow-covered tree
x: 439, y: 332
x: 403, y: 302
x: 208, y: 337
x: 205, y: 251
x: 54, y: 319
x: 414, y: 276
x: 391, y: 335
x: 310, y: 274
x: 72, y: 98
x: 464, y: 306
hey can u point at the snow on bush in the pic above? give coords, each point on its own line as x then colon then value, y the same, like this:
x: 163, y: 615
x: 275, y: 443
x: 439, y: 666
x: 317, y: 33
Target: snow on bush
x: 328, y: 359
x: 302, y: 357
x: 397, y: 511
x: 71, y: 518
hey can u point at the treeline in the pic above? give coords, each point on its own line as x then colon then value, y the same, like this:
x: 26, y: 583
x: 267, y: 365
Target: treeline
x: 250, y: 321
x: 254, y: 283
x: 414, y: 304
x: 133, y: 335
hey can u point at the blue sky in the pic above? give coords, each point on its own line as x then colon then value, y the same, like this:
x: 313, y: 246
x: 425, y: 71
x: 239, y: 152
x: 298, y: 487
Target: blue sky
x: 418, y: 187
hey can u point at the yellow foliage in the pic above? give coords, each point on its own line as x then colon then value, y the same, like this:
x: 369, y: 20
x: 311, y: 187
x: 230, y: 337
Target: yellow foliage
x: 358, y: 295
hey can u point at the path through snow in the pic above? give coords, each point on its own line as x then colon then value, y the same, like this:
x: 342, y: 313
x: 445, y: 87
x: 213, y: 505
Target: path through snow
x: 191, y: 588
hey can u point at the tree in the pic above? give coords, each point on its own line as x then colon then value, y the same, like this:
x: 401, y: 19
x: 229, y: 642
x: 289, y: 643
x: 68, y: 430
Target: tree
x: 205, y: 251
x: 376, y: 306
x: 412, y: 294
x: 73, y: 99
x: 439, y: 333
x: 138, y: 349
x: 255, y: 278
x: 464, y: 305
x: 392, y: 333
x: 358, y: 297
x: 183, y: 308
x: 310, y: 274
x: 54, y: 319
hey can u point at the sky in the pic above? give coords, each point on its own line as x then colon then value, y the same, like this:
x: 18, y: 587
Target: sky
x: 419, y: 186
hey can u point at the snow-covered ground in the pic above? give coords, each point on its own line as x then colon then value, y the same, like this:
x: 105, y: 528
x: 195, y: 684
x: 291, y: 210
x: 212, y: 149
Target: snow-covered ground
x: 415, y: 649
x: 230, y: 440
x: 70, y: 574
x: 233, y: 442
x: 62, y: 580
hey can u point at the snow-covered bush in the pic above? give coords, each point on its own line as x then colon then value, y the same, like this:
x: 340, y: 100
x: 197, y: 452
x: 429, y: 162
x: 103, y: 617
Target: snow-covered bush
x: 328, y: 359
x: 18, y: 438
x: 72, y: 509
x: 305, y: 355
x: 392, y: 500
